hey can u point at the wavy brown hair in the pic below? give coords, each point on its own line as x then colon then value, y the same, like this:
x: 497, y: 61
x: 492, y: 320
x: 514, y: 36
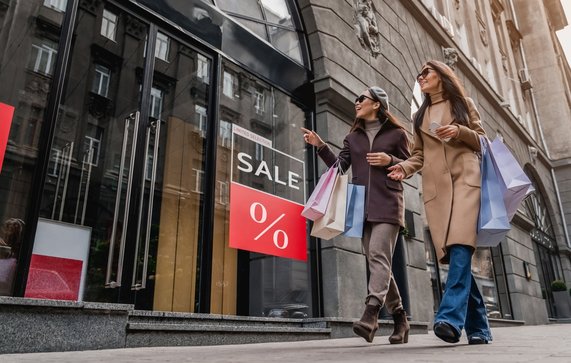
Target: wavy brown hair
x: 453, y: 91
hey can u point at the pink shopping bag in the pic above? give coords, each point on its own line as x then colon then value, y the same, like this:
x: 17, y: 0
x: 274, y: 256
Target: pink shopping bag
x: 317, y: 202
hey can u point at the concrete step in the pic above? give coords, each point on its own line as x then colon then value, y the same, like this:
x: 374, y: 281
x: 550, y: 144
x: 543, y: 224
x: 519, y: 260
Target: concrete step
x: 178, y: 318
x: 177, y: 334
x: 152, y: 328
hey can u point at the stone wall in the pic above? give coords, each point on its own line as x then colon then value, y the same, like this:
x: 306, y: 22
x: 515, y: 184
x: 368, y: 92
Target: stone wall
x: 410, y: 35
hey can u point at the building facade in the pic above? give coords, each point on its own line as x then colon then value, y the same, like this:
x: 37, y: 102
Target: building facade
x: 131, y: 121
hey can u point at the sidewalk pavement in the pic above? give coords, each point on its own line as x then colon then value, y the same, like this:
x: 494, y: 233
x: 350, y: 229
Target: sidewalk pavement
x: 543, y: 343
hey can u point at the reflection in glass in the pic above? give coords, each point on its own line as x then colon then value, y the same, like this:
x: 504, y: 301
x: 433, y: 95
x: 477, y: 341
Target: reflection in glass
x: 26, y: 68
x: 108, y: 24
x: 250, y: 8
x: 277, y: 12
x: 93, y: 142
x: 58, y: 5
x: 43, y: 56
x: 162, y: 47
x: 483, y: 271
x: 247, y: 283
x: 258, y: 28
x: 101, y: 80
x: 287, y: 41
x: 272, y: 23
x: 144, y: 220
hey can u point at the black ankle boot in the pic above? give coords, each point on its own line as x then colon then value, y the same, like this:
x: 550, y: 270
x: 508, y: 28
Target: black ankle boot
x: 446, y: 332
x: 368, y: 325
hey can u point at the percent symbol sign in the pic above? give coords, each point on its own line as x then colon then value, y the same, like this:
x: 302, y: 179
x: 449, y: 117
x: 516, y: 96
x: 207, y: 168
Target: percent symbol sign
x: 262, y: 219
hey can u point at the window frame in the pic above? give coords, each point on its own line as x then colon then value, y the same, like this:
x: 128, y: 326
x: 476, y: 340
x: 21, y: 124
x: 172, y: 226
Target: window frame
x: 97, y: 71
x: 57, y: 5
x: 41, y: 49
x: 162, y: 47
x: 109, y: 25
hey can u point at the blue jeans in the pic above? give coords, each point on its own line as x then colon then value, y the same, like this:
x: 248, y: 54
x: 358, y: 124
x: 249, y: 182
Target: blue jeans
x: 462, y: 305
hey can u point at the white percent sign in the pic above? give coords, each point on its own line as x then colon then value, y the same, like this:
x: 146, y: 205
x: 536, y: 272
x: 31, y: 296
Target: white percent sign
x: 264, y: 216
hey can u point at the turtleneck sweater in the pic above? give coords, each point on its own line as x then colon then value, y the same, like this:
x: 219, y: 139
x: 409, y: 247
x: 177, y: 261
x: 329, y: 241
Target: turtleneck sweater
x: 371, y: 128
x: 439, y: 110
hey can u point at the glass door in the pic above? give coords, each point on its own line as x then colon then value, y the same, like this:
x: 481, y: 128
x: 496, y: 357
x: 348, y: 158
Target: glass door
x: 123, y: 192
x: 168, y: 256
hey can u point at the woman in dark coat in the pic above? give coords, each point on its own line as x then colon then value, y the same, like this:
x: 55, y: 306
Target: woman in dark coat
x: 375, y: 142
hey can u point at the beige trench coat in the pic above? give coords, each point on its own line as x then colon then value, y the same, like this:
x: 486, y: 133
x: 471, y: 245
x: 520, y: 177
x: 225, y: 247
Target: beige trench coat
x: 450, y: 180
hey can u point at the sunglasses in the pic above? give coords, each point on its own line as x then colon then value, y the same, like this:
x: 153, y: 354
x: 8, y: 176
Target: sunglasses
x: 361, y: 98
x: 424, y: 73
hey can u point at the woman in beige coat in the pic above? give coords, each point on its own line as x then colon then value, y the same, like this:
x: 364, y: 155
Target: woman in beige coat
x: 447, y: 131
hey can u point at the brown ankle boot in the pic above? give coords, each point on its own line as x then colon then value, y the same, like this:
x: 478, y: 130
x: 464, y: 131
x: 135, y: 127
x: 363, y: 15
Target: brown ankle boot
x: 400, y: 333
x: 368, y: 325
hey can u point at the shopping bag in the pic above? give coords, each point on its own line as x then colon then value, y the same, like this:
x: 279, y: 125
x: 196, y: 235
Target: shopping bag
x: 355, y: 215
x: 493, y: 223
x: 332, y: 223
x: 515, y: 183
x: 317, y: 203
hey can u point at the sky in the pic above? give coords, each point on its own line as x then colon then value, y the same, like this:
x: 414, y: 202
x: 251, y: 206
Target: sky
x: 565, y: 34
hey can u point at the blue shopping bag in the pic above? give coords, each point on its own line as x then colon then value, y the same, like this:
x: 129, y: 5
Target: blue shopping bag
x: 355, y: 216
x: 493, y: 223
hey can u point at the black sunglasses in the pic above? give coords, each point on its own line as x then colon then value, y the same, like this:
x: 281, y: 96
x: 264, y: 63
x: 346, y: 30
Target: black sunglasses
x: 361, y: 98
x: 424, y: 73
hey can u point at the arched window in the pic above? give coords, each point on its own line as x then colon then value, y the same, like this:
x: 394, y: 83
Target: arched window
x: 545, y: 245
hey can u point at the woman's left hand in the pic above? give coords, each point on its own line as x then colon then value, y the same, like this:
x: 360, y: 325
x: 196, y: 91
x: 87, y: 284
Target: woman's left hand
x: 448, y: 132
x: 378, y: 159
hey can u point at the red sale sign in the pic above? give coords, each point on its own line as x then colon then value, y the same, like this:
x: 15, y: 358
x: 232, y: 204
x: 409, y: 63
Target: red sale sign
x: 263, y: 223
x: 6, y: 114
x: 53, y: 278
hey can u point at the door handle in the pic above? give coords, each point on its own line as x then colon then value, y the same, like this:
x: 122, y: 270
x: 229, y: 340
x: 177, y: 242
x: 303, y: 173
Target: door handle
x: 58, y: 167
x: 87, y: 159
x: 66, y: 157
x: 135, y: 285
x: 118, y: 274
x: 66, y: 181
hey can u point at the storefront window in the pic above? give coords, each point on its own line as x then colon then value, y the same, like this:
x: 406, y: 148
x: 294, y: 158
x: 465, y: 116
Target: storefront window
x: 487, y: 268
x: 269, y: 163
x: 28, y: 61
x: 483, y: 271
x: 121, y: 205
x: 269, y: 19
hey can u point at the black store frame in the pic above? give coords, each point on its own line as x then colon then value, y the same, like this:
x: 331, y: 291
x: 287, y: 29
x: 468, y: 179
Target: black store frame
x: 236, y: 44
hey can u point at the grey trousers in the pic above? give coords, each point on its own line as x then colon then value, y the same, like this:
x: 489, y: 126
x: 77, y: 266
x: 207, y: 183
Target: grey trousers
x: 379, y: 241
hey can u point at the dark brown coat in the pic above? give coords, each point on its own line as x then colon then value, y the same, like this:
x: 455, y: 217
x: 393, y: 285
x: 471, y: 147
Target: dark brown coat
x: 384, y: 200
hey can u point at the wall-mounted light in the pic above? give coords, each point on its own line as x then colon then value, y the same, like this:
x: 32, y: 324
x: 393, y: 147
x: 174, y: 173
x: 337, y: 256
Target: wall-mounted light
x: 526, y: 270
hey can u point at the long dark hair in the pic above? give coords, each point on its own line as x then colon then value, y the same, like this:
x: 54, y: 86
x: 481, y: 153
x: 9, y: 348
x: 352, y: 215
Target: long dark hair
x: 382, y: 115
x: 453, y: 91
